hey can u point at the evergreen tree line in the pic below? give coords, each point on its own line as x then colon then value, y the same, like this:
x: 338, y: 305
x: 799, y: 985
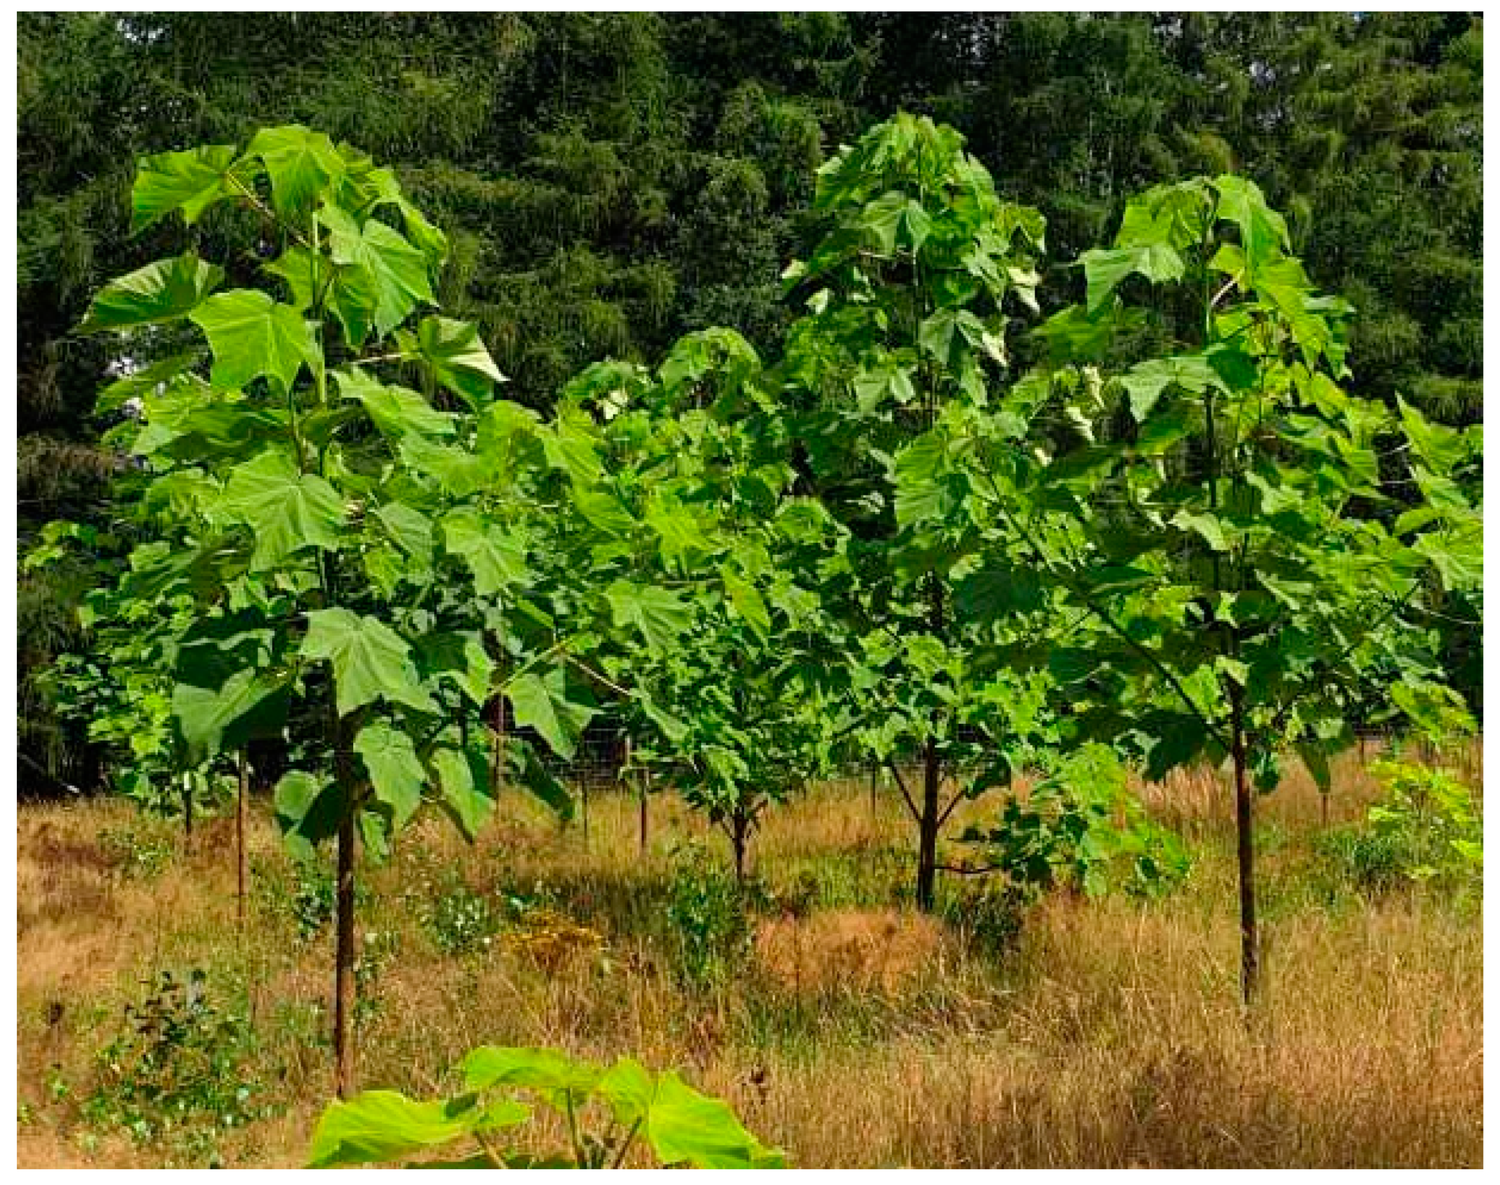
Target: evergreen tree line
x: 610, y: 181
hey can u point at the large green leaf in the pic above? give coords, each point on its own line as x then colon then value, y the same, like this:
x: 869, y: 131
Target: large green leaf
x: 162, y: 291
x: 300, y: 164
x: 347, y: 291
x: 287, y: 510
x: 497, y: 559
x: 747, y: 602
x: 686, y: 1127
x: 546, y: 1070
x: 396, y: 411
x: 658, y: 613
x: 464, y: 779
x: 250, y: 703
x: 309, y: 809
x: 1105, y: 269
x: 188, y: 181
x: 396, y: 774
x: 398, y: 269
x: 455, y: 356
x: 370, y: 660
x: 140, y: 383
x: 1263, y: 232
x: 409, y: 528
x: 382, y: 1125
x: 252, y: 335
x: 1147, y: 380
x: 541, y: 702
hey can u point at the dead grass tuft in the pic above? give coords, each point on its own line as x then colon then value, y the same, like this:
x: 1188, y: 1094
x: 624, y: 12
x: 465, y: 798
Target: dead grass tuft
x: 851, y: 950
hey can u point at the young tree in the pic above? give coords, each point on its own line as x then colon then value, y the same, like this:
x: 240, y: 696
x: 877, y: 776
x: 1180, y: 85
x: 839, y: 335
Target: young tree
x: 908, y: 293
x: 328, y: 530
x: 1218, y: 539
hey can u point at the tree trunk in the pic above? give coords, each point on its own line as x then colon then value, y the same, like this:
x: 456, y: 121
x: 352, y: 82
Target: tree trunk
x: 344, y: 922
x: 739, y: 833
x: 932, y: 777
x: 1245, y: 829
x: 927, y: 833
x: 187, y: 812
x: 241, y: 813
x: 497, y: 746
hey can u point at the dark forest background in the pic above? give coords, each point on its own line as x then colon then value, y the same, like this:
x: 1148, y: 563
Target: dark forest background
x: 610, y: 181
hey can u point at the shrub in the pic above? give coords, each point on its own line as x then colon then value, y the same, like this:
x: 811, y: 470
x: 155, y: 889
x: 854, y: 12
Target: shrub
x: 458, y: 919
x: 707, y: 909
x: 178, y: 1069
x: 1425, y: 829
x: 1082, y: 829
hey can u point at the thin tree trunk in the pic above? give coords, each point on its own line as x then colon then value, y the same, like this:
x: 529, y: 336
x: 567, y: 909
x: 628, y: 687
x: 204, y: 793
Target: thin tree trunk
x: 497, y: 746
x: 241, y: 814
x: 927, y: 832
x: 344, y: 922
x: 932, y: 777
x: 738, y: 836
x: 1245, y: 829
x: 187, y: 812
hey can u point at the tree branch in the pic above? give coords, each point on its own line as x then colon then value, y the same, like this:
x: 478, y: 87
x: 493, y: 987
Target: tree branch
x: 901, y: 785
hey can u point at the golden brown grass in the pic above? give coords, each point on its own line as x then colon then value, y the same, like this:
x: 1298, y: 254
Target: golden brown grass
x: 856, y: 1035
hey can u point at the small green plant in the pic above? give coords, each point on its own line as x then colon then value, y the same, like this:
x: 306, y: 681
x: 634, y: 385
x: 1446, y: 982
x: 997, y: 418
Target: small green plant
x: 178, y: 1070
x: 311, y: 899
x: 137, y: 855
x: 458, y: 919
x: 608, y: 1113
x: 1082, y: 829
x: 1426, y: 829
x: 708, y: 911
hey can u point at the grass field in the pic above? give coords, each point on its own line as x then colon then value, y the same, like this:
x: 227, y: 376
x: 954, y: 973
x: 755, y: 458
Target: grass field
x: 850, y: 1031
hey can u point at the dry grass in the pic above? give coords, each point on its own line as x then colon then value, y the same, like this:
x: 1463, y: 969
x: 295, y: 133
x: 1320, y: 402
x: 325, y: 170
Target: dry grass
x: 856, y: 1035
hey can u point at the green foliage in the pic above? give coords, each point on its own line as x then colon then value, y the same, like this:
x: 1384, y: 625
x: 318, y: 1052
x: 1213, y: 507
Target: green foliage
x: 708, y: 915
x: 607, y: 1113
x: 1429, y: 817
x: 1080, y: 828
x: 458, y: 919
x: 178, y: 1071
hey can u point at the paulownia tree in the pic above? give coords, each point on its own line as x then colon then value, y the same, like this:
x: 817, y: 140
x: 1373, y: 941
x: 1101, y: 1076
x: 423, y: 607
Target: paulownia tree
x: 336, y: 533
x: 908, y: 295
x: 1229, y: 539
x: 730, y: 678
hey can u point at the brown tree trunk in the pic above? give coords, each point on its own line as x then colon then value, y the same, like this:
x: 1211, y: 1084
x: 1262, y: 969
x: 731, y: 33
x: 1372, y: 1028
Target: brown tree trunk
x: 1245, y: 830
x: 497, y: 746
x: 344, y: 921
x: 187, y: 812
x: 241, y: 814
x: 739, y: 831
x: 927, y: 828
x: 932, y: 778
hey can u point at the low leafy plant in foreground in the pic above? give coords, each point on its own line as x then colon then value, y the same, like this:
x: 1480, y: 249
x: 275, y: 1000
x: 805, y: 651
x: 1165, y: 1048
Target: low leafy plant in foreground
x: 607, y: 1112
